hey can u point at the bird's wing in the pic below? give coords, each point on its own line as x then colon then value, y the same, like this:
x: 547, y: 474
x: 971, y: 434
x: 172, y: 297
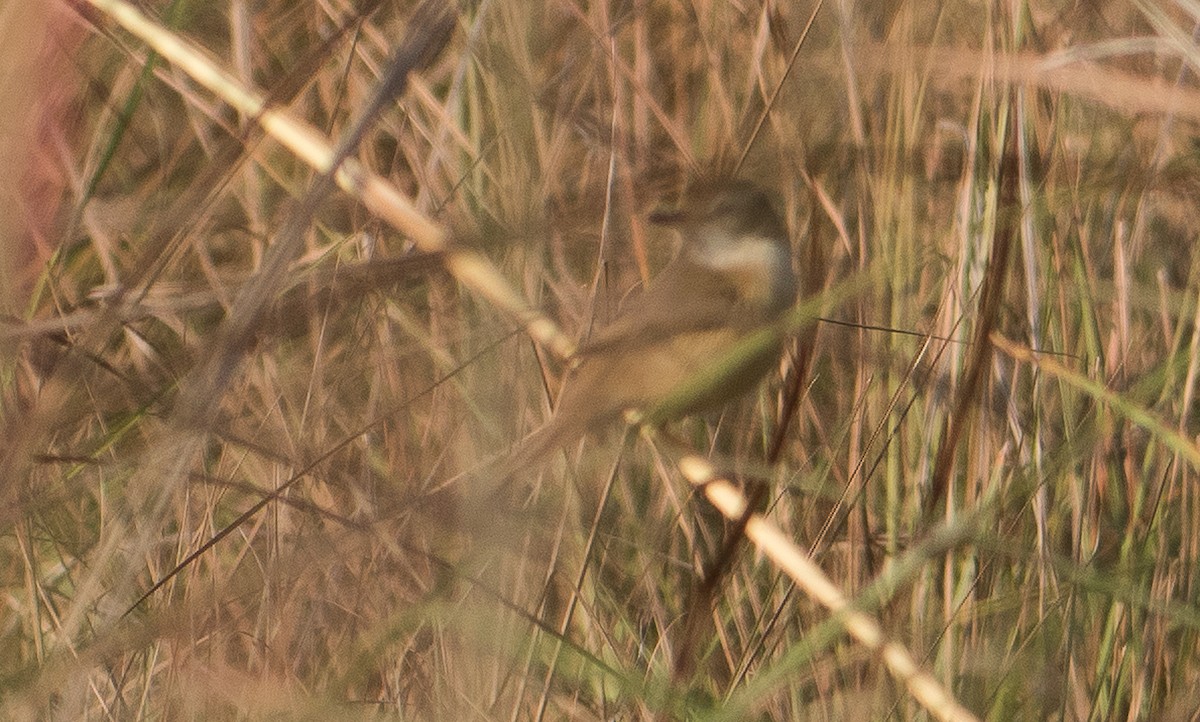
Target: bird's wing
x: 673, y: 304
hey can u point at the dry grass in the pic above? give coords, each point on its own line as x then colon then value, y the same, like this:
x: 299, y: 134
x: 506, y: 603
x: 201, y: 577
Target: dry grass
x: 313, y: 560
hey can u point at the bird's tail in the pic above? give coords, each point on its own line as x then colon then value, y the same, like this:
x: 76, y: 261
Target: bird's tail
x: 484, y: 484
x: 527, y: 457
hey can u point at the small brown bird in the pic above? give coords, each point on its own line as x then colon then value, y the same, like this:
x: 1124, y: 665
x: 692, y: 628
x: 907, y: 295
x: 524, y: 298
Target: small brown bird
x: 732, y: 276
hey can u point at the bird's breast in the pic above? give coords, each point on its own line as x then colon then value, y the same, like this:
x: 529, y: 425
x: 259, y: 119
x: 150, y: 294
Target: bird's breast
x: 759, y: 269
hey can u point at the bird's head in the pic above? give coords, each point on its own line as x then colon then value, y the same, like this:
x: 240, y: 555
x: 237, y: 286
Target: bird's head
x: 731, y: 228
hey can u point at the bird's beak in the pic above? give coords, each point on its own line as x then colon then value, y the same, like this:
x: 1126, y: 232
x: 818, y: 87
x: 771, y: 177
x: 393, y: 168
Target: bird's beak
x: 672, y: 218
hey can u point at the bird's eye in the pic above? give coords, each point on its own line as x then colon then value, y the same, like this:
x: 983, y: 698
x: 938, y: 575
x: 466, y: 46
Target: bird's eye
x: 725, y: 208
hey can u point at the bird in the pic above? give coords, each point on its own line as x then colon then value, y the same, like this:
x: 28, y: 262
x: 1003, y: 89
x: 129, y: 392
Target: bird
x: 731, y: 278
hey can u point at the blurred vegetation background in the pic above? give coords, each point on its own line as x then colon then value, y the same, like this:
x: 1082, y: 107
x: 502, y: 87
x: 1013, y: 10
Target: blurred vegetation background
x: 318, y: 551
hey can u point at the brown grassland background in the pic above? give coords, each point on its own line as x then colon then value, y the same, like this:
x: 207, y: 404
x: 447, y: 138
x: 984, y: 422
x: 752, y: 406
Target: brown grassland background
x: 308, y: 527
